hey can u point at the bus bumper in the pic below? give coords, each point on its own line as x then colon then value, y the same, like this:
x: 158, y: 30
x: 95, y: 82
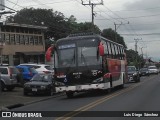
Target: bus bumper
x: 79, y: 88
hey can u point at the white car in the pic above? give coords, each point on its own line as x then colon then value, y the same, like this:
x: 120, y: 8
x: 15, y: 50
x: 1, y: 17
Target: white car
x: 40, y: 68
x: 153, y: 70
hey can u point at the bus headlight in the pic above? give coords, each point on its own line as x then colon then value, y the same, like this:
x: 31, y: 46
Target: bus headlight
x: 59, y: 83
x: 99, y: 80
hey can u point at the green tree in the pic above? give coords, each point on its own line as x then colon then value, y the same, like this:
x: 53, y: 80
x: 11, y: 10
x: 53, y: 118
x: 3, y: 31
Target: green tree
x: 55, y: 21
x: 110, y: 34
x: 133, y: 58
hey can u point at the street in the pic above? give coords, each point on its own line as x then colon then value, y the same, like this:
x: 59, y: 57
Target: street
x: 143, y: 96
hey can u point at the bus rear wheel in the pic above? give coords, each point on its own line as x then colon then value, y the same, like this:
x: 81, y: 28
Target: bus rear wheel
x: 69, y: 94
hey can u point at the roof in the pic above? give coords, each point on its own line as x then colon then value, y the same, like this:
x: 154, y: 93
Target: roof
x: 26, y: 26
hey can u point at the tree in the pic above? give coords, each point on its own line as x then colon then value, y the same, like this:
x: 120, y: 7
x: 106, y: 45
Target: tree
x: 133, y: 58
x: 110, y: 34
x: 55, y: 21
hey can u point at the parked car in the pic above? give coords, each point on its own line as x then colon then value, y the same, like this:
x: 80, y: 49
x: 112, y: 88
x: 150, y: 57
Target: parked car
x: 40, y: 84
x: 10, y: 77
x: 153, y: 70
x: 40, y: 68
x: 144, y: 72
x: 133, y: 74
x: 27, y: 71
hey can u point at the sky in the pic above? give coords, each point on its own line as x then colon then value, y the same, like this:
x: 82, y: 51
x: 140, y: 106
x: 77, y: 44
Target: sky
x: 136, y: 20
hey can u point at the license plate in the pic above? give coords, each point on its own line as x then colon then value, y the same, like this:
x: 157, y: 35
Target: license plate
x: 34, y: 89
x: 78, y: 87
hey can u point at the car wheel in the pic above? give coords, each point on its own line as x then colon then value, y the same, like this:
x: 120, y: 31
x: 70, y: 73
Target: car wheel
x: 69, y: 94
x: 10, y: 88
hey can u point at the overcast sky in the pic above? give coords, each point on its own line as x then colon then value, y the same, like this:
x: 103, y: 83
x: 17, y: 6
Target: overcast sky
x: 143, y: 17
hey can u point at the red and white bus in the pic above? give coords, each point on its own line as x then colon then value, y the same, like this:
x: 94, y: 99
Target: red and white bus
x: 85, y: 62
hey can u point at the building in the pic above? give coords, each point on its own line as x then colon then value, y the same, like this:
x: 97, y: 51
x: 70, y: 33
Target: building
x: 21, y: 43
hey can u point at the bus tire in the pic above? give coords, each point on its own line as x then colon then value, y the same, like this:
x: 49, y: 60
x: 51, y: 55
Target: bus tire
x: 111, y: 82
x: 69, y: 94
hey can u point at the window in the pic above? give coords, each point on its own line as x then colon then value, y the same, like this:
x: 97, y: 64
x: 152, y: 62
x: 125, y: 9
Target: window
x: 109, y: 48
x: 26, y: 39
x: 40, y: 40
x: 36, y: 40
x: 121, y: 53
x: 5, y: 59
x: 7, y: 39
x: 116, y: 51
x: 88, y: 56
x: 17, y: 39
x: 12, y: 38
x: 2, y: 38
x: 31, y: 40
x: 3, y: 70
x: 113, y: 51
x: 21, y: 39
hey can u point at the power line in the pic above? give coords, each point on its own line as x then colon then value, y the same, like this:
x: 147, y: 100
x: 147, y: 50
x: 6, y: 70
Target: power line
x: 40, y: 4
x: 133, y: 10
x: 8, y: 8
x: 143, y: 34
x: 135, y: 17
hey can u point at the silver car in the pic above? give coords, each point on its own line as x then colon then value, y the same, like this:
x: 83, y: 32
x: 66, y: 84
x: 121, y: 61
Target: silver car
x: 8, y: 77
x: 153, y: 70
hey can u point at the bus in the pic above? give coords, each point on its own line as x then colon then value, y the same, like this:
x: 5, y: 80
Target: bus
x: 84, y: 62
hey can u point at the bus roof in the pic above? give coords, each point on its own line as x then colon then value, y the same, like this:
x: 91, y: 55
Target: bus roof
x: 79, y: 36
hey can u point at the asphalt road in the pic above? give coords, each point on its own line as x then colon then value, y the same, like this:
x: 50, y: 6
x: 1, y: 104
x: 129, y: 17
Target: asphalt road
x: 143, y: 96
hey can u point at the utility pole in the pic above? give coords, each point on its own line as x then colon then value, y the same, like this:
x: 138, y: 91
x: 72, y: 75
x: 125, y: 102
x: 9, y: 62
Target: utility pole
x: 117, y: 26
x: 136, y: 41
x: 92, y: 7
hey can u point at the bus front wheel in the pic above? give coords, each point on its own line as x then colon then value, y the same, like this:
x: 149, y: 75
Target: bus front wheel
x: 69, y: 94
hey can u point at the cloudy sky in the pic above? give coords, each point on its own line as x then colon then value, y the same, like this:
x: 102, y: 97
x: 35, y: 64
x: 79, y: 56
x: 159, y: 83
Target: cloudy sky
x: 143, y: 17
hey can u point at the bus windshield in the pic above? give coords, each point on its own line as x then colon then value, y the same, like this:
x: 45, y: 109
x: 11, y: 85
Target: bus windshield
x: 88, y: 56
x: 80, y: 53
x: 66, y: 57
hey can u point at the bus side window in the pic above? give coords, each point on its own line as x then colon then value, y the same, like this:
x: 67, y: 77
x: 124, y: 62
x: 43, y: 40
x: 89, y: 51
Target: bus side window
x: 120, y: 52
x: 109, y: 49
x: 113, y: 51
x: 116, y: 51
x: 123, y: 53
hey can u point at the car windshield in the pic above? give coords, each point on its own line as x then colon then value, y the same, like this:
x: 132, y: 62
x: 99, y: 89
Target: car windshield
x: 131, y: 69
x: 48, y: 68
x: 32, y: 70
x: 39, y: 77
x: 152, y: 67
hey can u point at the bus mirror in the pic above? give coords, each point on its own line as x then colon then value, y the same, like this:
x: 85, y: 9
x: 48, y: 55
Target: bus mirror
x: 101, y: 49
x: 49, y: 54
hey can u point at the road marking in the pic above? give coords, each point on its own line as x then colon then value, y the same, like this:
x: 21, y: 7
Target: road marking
x: 97, y: 102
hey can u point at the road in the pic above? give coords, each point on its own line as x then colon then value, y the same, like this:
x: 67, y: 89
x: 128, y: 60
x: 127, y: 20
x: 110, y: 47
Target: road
x: 143, y: 96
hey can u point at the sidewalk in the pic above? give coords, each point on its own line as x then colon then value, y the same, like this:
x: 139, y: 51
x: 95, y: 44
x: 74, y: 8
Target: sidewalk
x: 15, y: 98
